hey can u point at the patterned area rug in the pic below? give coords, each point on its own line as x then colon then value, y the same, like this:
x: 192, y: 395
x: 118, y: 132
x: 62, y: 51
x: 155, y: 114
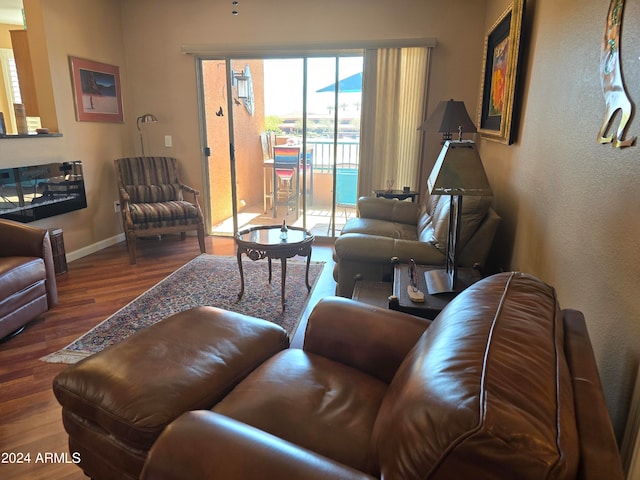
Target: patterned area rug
x: 205, y: 280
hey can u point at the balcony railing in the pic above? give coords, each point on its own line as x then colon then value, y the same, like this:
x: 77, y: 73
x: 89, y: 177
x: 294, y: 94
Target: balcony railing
x: 346, y: 155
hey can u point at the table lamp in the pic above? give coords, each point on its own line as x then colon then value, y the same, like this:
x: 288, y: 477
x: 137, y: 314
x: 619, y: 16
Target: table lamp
x: 458, y: 172
x: 449, y: 116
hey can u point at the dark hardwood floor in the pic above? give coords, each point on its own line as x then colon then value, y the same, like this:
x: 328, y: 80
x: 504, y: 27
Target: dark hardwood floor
x: 94, y: 287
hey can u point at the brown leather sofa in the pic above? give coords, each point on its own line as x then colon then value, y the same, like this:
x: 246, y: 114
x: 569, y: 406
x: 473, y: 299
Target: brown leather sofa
x: 27, y: 276
x: 386, y: 228
x: 502, y: 384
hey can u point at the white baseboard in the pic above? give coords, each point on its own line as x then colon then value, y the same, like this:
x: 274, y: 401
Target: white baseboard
x: 96, y: 247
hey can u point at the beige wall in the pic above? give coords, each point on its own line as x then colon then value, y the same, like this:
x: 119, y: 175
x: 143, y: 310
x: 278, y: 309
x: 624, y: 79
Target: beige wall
x: 156, y: 29
x: 5, y: 42
x: 89, y: 29
x: 247, y: 129
x: 570, y: 206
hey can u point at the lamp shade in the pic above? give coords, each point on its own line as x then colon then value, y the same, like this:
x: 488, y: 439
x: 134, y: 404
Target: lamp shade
x: 449, y: 116
x: 146, y: 118
x: 459, y: 171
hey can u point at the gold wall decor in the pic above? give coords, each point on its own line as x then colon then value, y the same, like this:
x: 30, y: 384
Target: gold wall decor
x: 615, y: 95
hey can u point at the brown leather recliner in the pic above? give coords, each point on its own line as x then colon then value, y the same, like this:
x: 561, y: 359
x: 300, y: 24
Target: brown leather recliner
x: 27, y: 275
x: 502, y: 384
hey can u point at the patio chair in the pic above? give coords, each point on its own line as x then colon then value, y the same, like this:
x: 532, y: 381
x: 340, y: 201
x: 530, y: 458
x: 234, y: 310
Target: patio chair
x: 346, y: 189
x: 286, y: 175
x: 266, y: 144
x: 152, y: 200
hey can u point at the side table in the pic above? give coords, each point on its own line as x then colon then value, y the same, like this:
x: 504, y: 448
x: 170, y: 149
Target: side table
x: 57, y: 248
x: 433, y: 304
x: 372, y: 293
x: 399, y: 194
x: 395, y: 297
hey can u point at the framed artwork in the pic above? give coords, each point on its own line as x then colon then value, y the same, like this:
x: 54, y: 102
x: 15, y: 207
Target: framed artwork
x: 499, y: 75
x: 97, y: 92
x: 3, y: 127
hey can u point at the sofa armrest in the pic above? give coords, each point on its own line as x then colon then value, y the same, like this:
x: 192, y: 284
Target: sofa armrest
x: 204, y: 444
x: 599, y: 455
x: 388, y: 209
x: 20, y: 240
x: 372, y: 248
x: 363, y: 247
x: 371, y: 339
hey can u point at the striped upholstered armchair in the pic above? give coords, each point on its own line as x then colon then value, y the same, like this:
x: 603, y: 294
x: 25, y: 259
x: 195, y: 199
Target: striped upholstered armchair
x: 152, y: 200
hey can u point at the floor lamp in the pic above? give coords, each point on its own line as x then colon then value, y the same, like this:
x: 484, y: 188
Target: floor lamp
x: 146, y: 118
x: 458, y: 172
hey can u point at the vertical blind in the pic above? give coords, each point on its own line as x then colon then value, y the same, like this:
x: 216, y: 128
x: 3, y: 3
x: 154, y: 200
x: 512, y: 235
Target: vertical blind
x: 394, y: 89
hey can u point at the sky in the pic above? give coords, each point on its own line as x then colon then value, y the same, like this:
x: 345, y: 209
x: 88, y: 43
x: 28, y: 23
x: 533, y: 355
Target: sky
x: 283, y: 83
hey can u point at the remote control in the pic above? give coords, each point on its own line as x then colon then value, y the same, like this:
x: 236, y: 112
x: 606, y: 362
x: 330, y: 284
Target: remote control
x: 415, y: 295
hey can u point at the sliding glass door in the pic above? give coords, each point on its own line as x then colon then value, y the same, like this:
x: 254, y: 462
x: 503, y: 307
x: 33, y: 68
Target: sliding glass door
x: 334, y: 93
x: 283, y: 141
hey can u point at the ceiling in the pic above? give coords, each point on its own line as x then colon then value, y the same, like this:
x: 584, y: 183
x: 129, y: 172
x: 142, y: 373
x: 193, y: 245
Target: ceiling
x: 11, y: 12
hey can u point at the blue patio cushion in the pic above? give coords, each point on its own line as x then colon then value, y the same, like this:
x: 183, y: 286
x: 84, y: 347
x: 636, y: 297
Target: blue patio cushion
x: 154, y: 193
x: 166, y: 214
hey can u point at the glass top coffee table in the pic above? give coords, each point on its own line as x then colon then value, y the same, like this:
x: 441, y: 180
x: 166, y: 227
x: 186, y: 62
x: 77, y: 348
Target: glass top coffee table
x: 266, y: 242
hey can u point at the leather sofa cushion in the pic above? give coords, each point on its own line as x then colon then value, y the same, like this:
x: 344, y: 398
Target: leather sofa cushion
x: 19, y: 273
x: 435, y: 228
x: 311, y: 401
x: 494, y: 414
x: 380, y: 228
x: 203, y: 351
x: 427, y: 209
x: 388, y: 209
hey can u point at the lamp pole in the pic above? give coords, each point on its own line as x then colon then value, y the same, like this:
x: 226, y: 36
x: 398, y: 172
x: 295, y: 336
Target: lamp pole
x: 146, y: 118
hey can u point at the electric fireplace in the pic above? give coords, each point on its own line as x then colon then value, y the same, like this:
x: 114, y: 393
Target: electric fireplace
x: 40, y: 191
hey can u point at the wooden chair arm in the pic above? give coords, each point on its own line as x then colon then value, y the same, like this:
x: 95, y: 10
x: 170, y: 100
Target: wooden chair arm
x: 189, y: 189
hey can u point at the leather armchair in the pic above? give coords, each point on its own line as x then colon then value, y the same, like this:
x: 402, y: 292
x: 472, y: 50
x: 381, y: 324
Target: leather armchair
x: 386, y: 228
x: 27, y: 275
x: 152, y: 200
